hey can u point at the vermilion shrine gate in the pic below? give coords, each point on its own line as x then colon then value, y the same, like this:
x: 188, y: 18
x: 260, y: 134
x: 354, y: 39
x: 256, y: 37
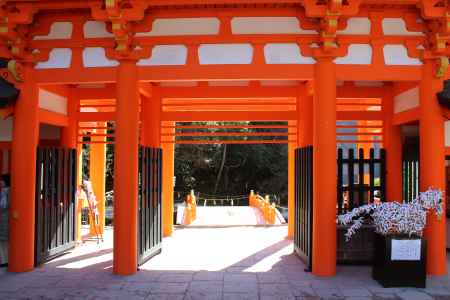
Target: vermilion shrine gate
x: 144, y: 65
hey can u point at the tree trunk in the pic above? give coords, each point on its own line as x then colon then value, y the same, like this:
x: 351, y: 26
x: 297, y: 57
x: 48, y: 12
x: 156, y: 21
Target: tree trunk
x: 219, y: 175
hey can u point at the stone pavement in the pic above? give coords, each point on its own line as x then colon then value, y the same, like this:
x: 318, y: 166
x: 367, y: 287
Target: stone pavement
x: 210, y: 263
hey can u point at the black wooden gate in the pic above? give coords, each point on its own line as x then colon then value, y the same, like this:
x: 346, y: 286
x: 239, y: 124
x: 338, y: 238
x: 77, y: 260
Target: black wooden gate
x: 55, y: 202
x: 303, y: 224
x: 352, y: 188
x: 149, y: 215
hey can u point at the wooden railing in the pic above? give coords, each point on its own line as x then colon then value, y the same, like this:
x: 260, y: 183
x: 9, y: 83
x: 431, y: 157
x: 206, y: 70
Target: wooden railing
x: 190, y: 211
x: 267, y: 209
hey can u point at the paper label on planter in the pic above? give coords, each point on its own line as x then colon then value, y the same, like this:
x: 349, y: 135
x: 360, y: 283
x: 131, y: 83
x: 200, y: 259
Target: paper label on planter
x: 405, y: 250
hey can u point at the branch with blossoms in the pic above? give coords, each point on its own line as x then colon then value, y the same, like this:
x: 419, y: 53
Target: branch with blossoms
x: 392, y: 218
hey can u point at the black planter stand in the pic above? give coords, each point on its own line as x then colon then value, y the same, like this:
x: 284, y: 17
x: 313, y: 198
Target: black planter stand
x: 359, y: 250
x: 397, y: 273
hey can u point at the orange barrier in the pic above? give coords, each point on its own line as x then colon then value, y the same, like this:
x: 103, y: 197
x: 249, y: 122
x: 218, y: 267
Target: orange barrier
x: 190, y: 212
x: 263, y: 204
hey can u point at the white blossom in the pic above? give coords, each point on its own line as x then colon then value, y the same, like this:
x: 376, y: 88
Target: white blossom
x: 395, y: 218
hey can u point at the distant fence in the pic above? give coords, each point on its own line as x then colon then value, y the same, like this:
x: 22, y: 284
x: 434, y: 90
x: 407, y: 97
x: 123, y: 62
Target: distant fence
x: 356, y: 178
x: 410, y: 179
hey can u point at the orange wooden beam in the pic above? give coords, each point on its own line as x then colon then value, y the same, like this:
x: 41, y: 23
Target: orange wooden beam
x: 229, y: 72
x: 359, y: 115
x: 407, y: 116
x: 52, y: 118
x: 234, y: 108
x: 96, y: 93
x: 228, y: 116
x: 447, y: 151
x: 193, y: 116
x: 96, y: 116
x: 232, y: 92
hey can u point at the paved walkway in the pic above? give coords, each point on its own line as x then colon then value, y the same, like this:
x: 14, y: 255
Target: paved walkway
x: 210, y: 263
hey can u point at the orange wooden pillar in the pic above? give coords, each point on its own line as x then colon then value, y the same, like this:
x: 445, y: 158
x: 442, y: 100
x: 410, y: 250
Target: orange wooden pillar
x: 79, y: 182
x: 69, y: 140
x: 23, y: 175
x: 392, y: 143
x: 324, y: 168
x: 151, y: 119
x: 305, y: 118
x: 97, y: 167
x: 291, y: 179
x: 432, y: 164
x: 168, y: 174
x: 126, y: 169
x: 304, y: 138
x: 362, y: 144
x: 69, y: 133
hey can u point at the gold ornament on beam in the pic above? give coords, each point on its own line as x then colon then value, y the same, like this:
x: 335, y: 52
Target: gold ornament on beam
x: 443, y: 64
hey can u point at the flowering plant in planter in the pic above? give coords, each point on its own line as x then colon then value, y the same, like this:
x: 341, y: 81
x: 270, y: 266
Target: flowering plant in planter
x: 399, y: 257
x: 393, y: 218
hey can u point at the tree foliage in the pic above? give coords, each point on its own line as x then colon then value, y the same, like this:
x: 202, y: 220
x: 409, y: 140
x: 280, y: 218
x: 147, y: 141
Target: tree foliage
x: 232, y: 169
x: 221, y: 169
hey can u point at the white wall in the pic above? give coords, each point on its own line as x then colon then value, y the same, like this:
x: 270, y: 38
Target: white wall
x: 447, y: 134
x: 407, y: 100
x: 359, y: 54
x: 52, y: 102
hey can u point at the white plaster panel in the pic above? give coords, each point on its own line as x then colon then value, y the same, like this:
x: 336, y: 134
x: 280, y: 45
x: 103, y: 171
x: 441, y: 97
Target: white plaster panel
x: 407, y: 100
x: 96, y: 29
x: 284, y: 53
x: 225, y: 54
x: 183, y: 26
x: 49, y: 132
x: 52, y: 102
x: 58, y: 58
x: 267, y: 25
x: 398, y: 55
x: 96, y: 57
x: 58, y: 31
x: 357, y: 26
x: 165, y: 55
x: 6, y: 129
x: 358, y: 54
x: 447, y: 133
x: 397, y: 26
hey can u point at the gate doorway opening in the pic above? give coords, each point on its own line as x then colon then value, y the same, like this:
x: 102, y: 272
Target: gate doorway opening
x: 231, y: 173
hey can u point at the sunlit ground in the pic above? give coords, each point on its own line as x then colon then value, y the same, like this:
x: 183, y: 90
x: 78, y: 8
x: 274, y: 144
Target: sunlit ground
x: 245, y: 262
x: 215, y: 249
